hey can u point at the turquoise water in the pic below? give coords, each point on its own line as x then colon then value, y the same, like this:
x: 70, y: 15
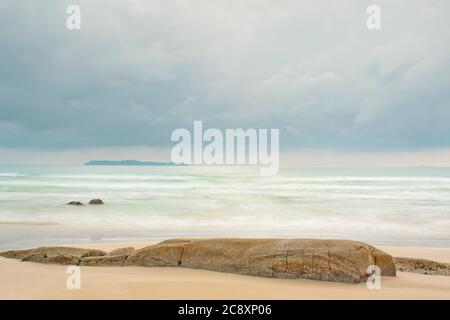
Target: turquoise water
x: 380, y: 206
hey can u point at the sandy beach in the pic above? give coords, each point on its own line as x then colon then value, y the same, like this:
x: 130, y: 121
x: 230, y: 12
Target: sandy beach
x: 27, y: 280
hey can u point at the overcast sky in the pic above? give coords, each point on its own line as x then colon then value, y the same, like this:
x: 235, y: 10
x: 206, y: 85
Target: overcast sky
x: 137, y: 70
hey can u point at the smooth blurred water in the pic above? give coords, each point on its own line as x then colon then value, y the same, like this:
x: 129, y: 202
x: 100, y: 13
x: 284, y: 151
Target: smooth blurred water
x: 380, y: 206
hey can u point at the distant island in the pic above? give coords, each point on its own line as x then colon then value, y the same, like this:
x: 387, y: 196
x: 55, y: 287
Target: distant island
x: 130, y: 163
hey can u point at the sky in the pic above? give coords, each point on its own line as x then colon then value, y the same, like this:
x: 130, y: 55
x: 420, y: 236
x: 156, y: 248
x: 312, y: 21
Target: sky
x: 137, y: 70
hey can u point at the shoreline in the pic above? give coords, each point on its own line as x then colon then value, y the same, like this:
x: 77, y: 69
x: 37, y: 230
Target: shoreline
x: 28, y: 280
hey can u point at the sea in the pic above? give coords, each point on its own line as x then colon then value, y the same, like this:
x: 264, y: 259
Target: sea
x: 388, y: 206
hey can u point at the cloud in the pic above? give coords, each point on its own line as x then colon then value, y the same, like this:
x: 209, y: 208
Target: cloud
x: 139, y: 69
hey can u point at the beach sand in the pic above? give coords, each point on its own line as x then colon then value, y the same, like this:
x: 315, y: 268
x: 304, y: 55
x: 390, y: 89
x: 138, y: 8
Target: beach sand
x: 27, y: 280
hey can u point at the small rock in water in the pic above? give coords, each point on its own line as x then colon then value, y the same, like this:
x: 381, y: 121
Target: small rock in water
x: 75, y: 203
x: 96, y: 201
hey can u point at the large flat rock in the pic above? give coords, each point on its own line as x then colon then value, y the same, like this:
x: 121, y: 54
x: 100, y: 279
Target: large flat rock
x: 327, y: 260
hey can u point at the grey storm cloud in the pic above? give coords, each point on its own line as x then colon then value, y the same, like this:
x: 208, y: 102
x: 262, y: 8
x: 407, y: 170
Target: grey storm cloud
x: 139, y: 69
